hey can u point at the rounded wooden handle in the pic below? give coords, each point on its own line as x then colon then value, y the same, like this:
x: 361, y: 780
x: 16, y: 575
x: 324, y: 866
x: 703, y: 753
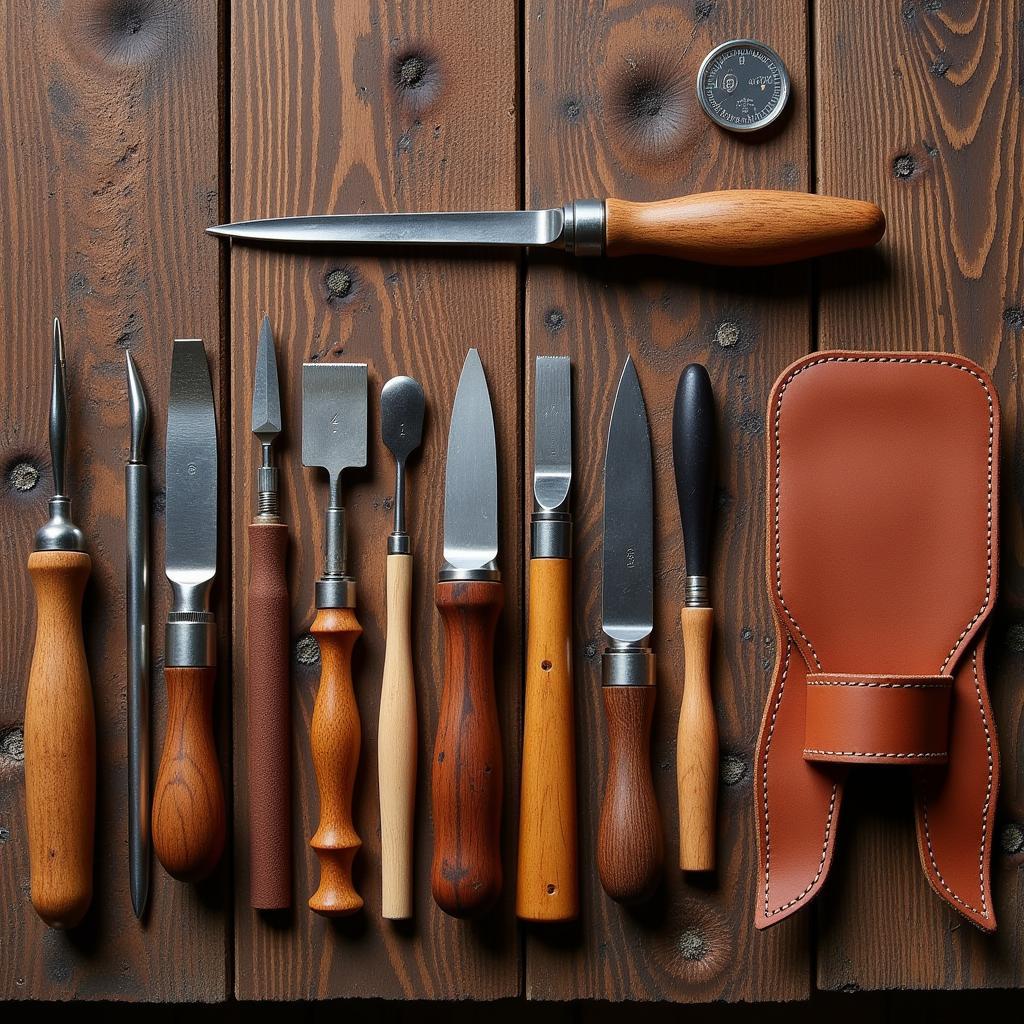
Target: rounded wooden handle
x: 467, y: 771
x: 697, y: 746
x: 334, y: 738
x: 60, y: 743
x: 630, y: 845
x: 268, y: 719
x: 547, y: 888
x: 396, y: 746
x: 741, y: 228
x: 188, y: 798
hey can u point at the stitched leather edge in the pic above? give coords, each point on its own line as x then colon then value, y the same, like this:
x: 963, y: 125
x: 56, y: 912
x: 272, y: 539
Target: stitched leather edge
x: 876, y: 753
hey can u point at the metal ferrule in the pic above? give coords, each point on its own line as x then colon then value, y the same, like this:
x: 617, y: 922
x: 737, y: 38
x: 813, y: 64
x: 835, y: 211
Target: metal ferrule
x: 697, y: 593
x: 398, y: 544
x: 59, y: 533
x: 550, y: 535
x: 267, y: 510
x: 627, y: 665
x: 583, y: 227
x: 335, y: 589
x: 190, y: 640
x: 484, y: 573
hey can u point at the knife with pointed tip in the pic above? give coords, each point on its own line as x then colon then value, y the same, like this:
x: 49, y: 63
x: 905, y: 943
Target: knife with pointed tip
x: 630, y: 842
x: 466, y: 778
x: 188, y: 798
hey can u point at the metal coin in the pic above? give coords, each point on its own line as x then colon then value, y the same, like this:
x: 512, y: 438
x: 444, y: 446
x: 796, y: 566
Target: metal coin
x: 743, y: 85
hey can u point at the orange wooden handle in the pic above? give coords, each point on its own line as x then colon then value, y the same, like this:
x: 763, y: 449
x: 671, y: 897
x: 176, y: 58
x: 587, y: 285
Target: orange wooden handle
x: 741, y: 228
x: 546, y: 886
x: 334, y: 738
x: 467, y: 771
x: 697, y: 746
x: 60, y: 743
x: 188, y: 798
x: 630, y: 844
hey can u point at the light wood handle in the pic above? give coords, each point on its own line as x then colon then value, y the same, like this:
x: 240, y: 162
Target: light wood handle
x: 60, y: 743
x: 188, y: 798
x: 396, y: 746
x: 741, y: 228
x: 697, y: 746
x: 334, y: 739
x: 547, y: 888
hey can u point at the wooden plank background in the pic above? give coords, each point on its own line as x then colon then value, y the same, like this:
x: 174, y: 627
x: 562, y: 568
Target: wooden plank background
x: 127, y: 127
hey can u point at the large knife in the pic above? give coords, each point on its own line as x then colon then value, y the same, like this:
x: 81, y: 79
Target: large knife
x: 730, y: 228
x: 188, y: 799
x: 630, y: 842
x: 467, y: 772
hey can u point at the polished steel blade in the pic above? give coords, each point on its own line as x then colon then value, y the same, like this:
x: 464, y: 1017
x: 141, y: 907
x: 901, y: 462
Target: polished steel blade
x: 471, y: 474
x: 628, y: 582
x: 266, y: 395
x: 191, y: 549
x: 334, y: 416
x: 552, y: 441
x: 514, y: 227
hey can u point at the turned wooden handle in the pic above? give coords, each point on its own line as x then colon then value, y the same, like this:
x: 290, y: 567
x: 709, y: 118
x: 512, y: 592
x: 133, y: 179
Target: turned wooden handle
x: 546, y: 888
x: 334, y: 738
x: 741, y: 228
x: 60, y: 743
x: 188, y: 798
x: 467, y: 771
x: 396, y: 746
x: 697, y: 746
x: 268, y: 719
x: 630, y: 845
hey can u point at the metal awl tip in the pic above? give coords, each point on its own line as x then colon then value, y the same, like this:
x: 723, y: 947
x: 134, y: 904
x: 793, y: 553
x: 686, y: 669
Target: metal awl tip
x: 138, y: 410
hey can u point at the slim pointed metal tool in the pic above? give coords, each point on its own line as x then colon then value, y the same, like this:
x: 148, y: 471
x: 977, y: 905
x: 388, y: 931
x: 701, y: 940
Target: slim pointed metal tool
x: 268, y: 699
x: 136, y: 493
x: 401, y: 427
x: 60, y: 725
x: 546, y: 883
x: 188, y: 797
x: 630, y: 841
x: 466, y: 776
x: 334, y: 420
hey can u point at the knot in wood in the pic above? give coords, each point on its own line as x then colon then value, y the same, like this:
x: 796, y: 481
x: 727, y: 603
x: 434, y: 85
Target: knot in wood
x: 12, y: 744
x: 24, y: 476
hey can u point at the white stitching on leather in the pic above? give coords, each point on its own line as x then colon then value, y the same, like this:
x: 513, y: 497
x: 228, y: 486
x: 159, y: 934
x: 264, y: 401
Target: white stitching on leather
x: 876, y: 753
x: 881, y: 686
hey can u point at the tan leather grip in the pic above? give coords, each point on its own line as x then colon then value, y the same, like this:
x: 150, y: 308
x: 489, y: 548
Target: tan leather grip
x: 268, y: 719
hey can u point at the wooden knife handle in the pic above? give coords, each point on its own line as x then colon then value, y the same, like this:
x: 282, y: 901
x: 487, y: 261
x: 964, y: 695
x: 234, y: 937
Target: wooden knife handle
x: 268, y: 719
x: 467, y: 770
x: 396, y: 746
x: 741, y: 228
x: 697, y: 746
x: 547, y: 887
x: 334, y: 737
x: 60, y: 743
x: 630, y: 845
x: 188, y: 798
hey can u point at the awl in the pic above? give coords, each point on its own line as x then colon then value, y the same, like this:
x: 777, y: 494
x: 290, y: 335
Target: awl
x: 731, y: 228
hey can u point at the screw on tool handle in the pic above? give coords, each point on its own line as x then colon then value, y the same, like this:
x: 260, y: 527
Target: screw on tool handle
x: 546, y: 886
x: 188, y: 798
x: 268, y: 719
x: 467, y: 770
x: 334, y: 738
x: 60, y: 743
x: 741, y: 228
x: 693, y: 455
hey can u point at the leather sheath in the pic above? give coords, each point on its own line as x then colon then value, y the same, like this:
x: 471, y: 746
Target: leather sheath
x: 882, y: 559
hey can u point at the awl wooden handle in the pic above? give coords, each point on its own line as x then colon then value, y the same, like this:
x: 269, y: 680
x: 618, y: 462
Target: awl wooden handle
x: 547, y: 887
x: 60, y: 743
x: 741, y: 228
x: 467, y: 771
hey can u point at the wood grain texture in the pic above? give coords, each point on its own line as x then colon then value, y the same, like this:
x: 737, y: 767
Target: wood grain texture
x: 376, y: 106
x: 611, y: 110
x: 919, y: 109
x: 109, y: 173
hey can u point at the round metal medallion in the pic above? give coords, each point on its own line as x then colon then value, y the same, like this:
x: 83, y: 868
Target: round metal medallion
x: 743, y: 85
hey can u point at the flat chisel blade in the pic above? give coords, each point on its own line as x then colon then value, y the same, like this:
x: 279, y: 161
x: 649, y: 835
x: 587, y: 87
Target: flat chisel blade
x: 552, y: 442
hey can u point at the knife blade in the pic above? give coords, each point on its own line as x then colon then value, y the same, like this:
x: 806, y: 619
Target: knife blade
x: 188, y: 800
x: 730, y: 228
x: 630, y: 841
x: 466, y: 779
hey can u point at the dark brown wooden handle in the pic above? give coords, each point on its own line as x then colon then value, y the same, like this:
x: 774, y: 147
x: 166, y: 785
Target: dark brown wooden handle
x: 467, y: 770
x: 630, y: 844
x: 334, y: 738
x: 60, y: 743
x: 188, y: 798
x: 268, y: 719
x: 741, y: 228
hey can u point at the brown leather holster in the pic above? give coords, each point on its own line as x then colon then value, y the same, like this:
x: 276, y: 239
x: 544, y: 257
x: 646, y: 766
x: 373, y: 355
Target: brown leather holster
x: 882, y: 560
